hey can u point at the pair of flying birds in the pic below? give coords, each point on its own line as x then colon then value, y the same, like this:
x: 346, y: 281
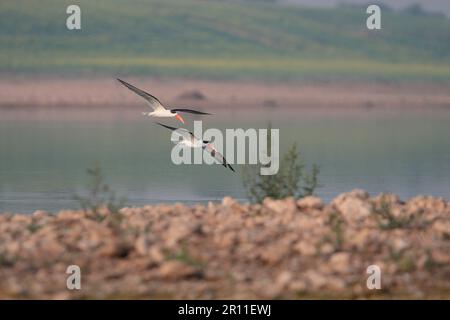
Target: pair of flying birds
x: 188, y: 138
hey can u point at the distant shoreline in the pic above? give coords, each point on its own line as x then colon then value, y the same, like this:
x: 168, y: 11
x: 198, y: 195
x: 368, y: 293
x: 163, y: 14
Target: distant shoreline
x: 52, y: 91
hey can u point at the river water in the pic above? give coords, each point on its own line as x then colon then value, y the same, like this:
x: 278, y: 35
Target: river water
x: 44, y: 154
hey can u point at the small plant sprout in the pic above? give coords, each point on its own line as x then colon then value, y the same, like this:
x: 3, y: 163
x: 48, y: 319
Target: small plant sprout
x: 99, y: 194
x: 386, y: 219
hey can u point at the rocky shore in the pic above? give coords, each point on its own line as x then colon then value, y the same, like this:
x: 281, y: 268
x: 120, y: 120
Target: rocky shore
x: 288, y: 249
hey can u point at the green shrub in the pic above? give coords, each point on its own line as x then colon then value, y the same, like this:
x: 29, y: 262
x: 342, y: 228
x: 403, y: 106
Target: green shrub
x: 99, y: 194
x: 292, y: 179
x: 386, y: 219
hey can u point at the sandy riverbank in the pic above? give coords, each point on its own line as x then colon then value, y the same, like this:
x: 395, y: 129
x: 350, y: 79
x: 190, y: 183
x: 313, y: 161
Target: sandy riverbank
x: 281, y: 249
x: 52, y: 91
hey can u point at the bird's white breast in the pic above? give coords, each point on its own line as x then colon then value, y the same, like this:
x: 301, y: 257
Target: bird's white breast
x: 163, y: 113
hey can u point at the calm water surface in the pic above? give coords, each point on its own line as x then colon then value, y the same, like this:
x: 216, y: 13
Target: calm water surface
x: 44, y: 154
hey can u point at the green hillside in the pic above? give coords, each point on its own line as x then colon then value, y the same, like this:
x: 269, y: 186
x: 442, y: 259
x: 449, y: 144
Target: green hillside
x: 220, y: 39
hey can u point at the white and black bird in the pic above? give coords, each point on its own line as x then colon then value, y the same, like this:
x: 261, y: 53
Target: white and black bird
x: 158, y: 108
x: 190, y: 141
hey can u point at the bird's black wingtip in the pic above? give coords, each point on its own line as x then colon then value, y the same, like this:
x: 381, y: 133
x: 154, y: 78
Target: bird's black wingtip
x: 165, y: 126
x: 231, y: 168
x: 122, y: 82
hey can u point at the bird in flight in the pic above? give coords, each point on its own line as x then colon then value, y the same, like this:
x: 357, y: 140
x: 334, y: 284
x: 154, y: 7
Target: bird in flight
x: 158, y: 108
x: 190, y: 141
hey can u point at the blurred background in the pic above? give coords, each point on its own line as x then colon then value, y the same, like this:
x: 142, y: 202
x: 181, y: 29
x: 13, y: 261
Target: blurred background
x: 228, y: 39
x: 370, y: 107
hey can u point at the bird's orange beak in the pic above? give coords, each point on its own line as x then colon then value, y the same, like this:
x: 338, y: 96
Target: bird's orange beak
x: 179, y: 118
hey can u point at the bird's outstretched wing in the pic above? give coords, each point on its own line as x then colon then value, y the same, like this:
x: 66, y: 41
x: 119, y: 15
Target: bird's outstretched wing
x: 190, y: 111
x: 186, y: 134
x: 217, y: 155
x: 151, y: 100
x: 168, y: 127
